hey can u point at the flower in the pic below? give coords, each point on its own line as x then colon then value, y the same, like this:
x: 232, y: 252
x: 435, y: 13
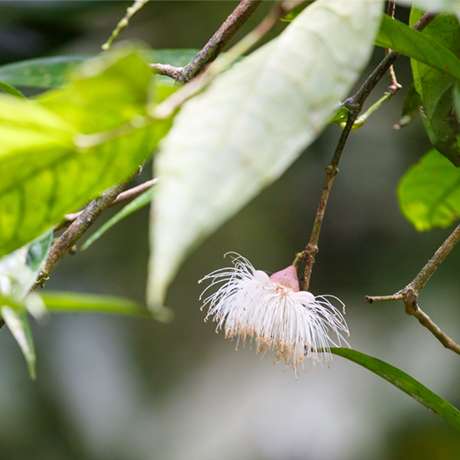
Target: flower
x: 247, y: 304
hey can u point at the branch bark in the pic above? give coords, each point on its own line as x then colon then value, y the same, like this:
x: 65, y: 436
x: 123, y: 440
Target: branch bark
x: 64, y: 243
x: 409, y: 294
x: 192, y: 88
x: 213, y: 46
x: 123, y: 197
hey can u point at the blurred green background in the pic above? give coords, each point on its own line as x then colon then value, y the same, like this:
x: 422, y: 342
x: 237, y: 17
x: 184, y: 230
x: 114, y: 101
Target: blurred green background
x: 123, y: 389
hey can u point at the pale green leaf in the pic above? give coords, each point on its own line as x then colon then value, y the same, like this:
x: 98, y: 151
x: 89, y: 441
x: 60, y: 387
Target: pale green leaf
x: 429, y: 193
x: 140, y: 202
x: 18, y: 272
x: 241, y: 134
x: 48, y: 168
x: 405, y: 383
x: 72, y: 302
x: 18, y: 324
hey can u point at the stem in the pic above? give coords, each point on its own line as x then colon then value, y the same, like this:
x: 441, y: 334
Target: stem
x: 394, y: 84
x: 225, y: 60
x: 331, y: 172
x: 124, y: 22
x: 213, y: 46
x: 354, y: 104
x: 123, y: 197
x: 409, y: 294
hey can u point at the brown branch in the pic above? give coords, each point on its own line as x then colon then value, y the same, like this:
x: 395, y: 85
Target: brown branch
x: 123, y: 197
x: 213, y: 46
x: 306, y: 258
x: 192, y: 88
x: 409, y: 294
x: 64, y: 243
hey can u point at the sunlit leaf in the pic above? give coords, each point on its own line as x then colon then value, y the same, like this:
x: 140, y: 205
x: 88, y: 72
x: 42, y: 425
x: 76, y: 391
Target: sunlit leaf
x: 73, y: 302
x: 405, y: 383
x: 253, y: 121
x: 429, y: 193
x: 58, y: 152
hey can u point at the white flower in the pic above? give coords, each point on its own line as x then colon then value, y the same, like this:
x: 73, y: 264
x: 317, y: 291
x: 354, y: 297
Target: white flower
x: 272, y: 311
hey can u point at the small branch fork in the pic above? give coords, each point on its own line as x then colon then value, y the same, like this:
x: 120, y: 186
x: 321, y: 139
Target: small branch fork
x: 78, y: 223
x: 409, y: 294
x: 305, y: 259
x: 214, y: 45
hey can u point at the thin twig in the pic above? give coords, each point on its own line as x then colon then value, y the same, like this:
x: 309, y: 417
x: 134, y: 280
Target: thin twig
x: 225, y: 60
x: 306, y: 258
x: 409, y: 294
x: 64, y: 243
x: 394, y: 84
x: 123, y: 197
x: 213, y: 46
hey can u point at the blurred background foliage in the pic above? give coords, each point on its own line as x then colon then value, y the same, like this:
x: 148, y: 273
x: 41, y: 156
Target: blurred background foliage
x: 122, y: 389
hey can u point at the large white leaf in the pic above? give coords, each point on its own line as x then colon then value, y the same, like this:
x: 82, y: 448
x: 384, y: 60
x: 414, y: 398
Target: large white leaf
x: 452, y: 6
x: 251, y: 124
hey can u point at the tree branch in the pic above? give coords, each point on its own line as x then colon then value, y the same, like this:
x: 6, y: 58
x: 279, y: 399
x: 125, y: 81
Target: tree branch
x: 64, y: 243
x: 214, y: 45
x: 354, y: 104
x: 192, y: 88
x: 409, y: 294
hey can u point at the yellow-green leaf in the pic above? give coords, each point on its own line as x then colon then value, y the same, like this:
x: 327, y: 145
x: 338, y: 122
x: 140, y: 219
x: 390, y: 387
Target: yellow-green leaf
x: 65, y: 148
x: 429, y: 193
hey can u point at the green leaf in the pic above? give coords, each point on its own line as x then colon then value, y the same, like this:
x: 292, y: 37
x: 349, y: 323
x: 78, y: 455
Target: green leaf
x: 11, y: 90
x: 71, y: 302
x: 18, y: 272
x: 52, y: 72
x: 71, y: 144
x: 436, y: 89
x: 421, y: 46
x: 411, y: 107
x: 138, y: 203
x: 18, y: 324
x: 429, y: 193
x: 254, y: 120
x: 37, y: 251
x: 404, y: 382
